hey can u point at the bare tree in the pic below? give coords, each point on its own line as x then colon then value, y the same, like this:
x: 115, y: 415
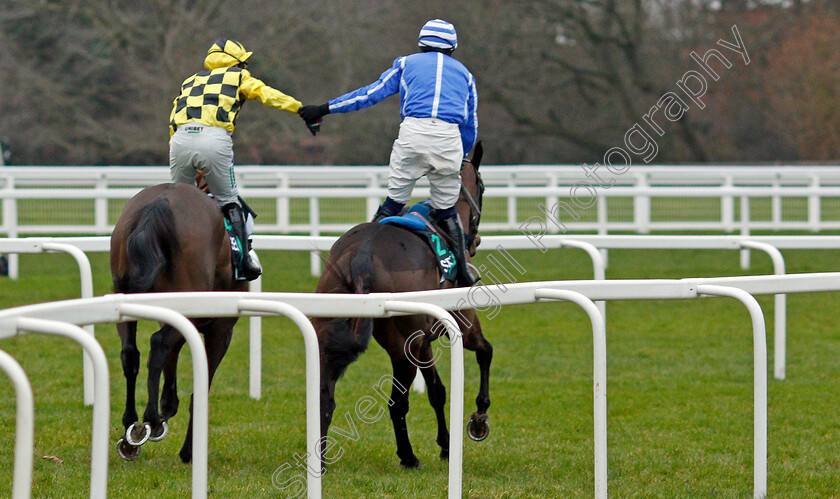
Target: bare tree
x: 609, y: 61
x: 92, y: 82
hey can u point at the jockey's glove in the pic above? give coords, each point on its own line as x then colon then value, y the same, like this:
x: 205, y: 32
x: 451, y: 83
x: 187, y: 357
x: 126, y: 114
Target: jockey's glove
x: 313, y: 114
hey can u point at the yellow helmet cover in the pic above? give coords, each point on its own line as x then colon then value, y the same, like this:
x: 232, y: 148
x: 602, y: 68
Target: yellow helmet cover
x: 225, y: 53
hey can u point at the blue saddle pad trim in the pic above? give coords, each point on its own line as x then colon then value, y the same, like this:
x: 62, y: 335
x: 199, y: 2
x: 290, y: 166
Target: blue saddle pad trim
x: 411, y: 220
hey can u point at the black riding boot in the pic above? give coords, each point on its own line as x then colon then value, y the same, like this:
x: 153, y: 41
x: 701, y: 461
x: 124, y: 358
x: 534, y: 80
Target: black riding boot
x: 387, y: 209
x: 247, y: 268
x: 453, y: 228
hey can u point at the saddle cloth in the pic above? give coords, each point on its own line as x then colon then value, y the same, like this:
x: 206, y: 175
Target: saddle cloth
x: 236, y: 254
x: 416, y: 220
x: 236, y: 246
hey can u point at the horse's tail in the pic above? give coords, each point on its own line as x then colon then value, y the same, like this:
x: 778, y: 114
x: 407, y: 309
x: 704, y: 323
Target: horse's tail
x: 352, y: 336
x: 361, y: 270
x: 149, y: 247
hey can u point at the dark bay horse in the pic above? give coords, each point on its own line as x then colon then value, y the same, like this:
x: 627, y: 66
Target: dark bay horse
x: 374, y: 258
x: 169, y: 237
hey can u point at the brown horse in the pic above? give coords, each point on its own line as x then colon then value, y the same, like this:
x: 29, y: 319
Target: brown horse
x: 374, y: 258
x: 169, y: 237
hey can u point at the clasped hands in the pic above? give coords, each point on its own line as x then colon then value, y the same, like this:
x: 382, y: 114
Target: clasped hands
x: 313, y: 115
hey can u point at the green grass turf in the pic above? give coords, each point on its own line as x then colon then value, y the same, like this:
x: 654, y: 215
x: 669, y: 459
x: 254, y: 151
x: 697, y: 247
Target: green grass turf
x: 49, y: 212
x: 680, y: 384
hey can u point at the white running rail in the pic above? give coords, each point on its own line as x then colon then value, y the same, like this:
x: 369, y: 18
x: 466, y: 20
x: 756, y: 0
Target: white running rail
x: 795, y: 197
x: 589, y: 243
x: 102, y: 309
x: 16, y: 325
x: 24, y: 426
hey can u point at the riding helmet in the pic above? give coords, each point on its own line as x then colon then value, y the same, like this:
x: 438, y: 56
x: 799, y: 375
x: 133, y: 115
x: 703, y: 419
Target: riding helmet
x: 438, y: 34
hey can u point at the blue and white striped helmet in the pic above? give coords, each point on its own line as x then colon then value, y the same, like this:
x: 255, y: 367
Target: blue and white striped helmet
x: 438, y: 34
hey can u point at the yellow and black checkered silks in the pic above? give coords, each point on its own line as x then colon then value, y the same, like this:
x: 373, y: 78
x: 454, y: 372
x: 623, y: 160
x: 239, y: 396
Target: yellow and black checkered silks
x: 214, y: 97
x: 209, y: 97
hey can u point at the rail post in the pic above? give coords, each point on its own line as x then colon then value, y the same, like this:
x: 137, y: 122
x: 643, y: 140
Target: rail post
x: 313, y: 382
x: 599, y: 353
x: 101, y: 389
x: 24, y: 426
x: 759, y: 380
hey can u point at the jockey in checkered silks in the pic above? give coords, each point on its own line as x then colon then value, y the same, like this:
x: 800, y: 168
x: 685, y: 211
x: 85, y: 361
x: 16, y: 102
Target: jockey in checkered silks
x: 438, y: 105
x: 200, y: 127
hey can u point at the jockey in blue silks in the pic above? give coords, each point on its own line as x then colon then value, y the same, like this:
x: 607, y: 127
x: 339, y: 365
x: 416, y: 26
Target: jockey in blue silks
x: 438, y: 106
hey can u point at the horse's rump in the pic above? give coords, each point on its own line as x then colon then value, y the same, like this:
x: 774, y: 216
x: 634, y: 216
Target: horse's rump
x: 372, y: 258
x: 170, y: 237
x: 378, y: 258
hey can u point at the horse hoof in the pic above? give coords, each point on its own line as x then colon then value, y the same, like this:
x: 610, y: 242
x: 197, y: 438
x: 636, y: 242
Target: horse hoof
x: 127, y: 451
x: 413, y: 464
x: 157, y: 436
x: 136, y: 436
x: 478, y: 427
x: 444, y: 454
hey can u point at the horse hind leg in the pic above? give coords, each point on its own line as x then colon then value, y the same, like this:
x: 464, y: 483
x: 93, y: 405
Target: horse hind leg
x: 339, y: 347
x: 404, y: 371
x: 162, y: 344
x: 478, y: 426
x: 437, y: 397
x: 169, y: 393
x: 217, y: 336
x: 130, y: 358
x: 330, y: 372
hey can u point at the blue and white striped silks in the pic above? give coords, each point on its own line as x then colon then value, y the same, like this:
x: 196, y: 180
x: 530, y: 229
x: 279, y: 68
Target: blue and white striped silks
x: 431, y: 85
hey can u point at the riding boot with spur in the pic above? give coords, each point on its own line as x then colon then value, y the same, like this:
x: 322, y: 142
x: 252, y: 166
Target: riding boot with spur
x: 449, y: 223
x: 246, y: 267
x: 387, y: 209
